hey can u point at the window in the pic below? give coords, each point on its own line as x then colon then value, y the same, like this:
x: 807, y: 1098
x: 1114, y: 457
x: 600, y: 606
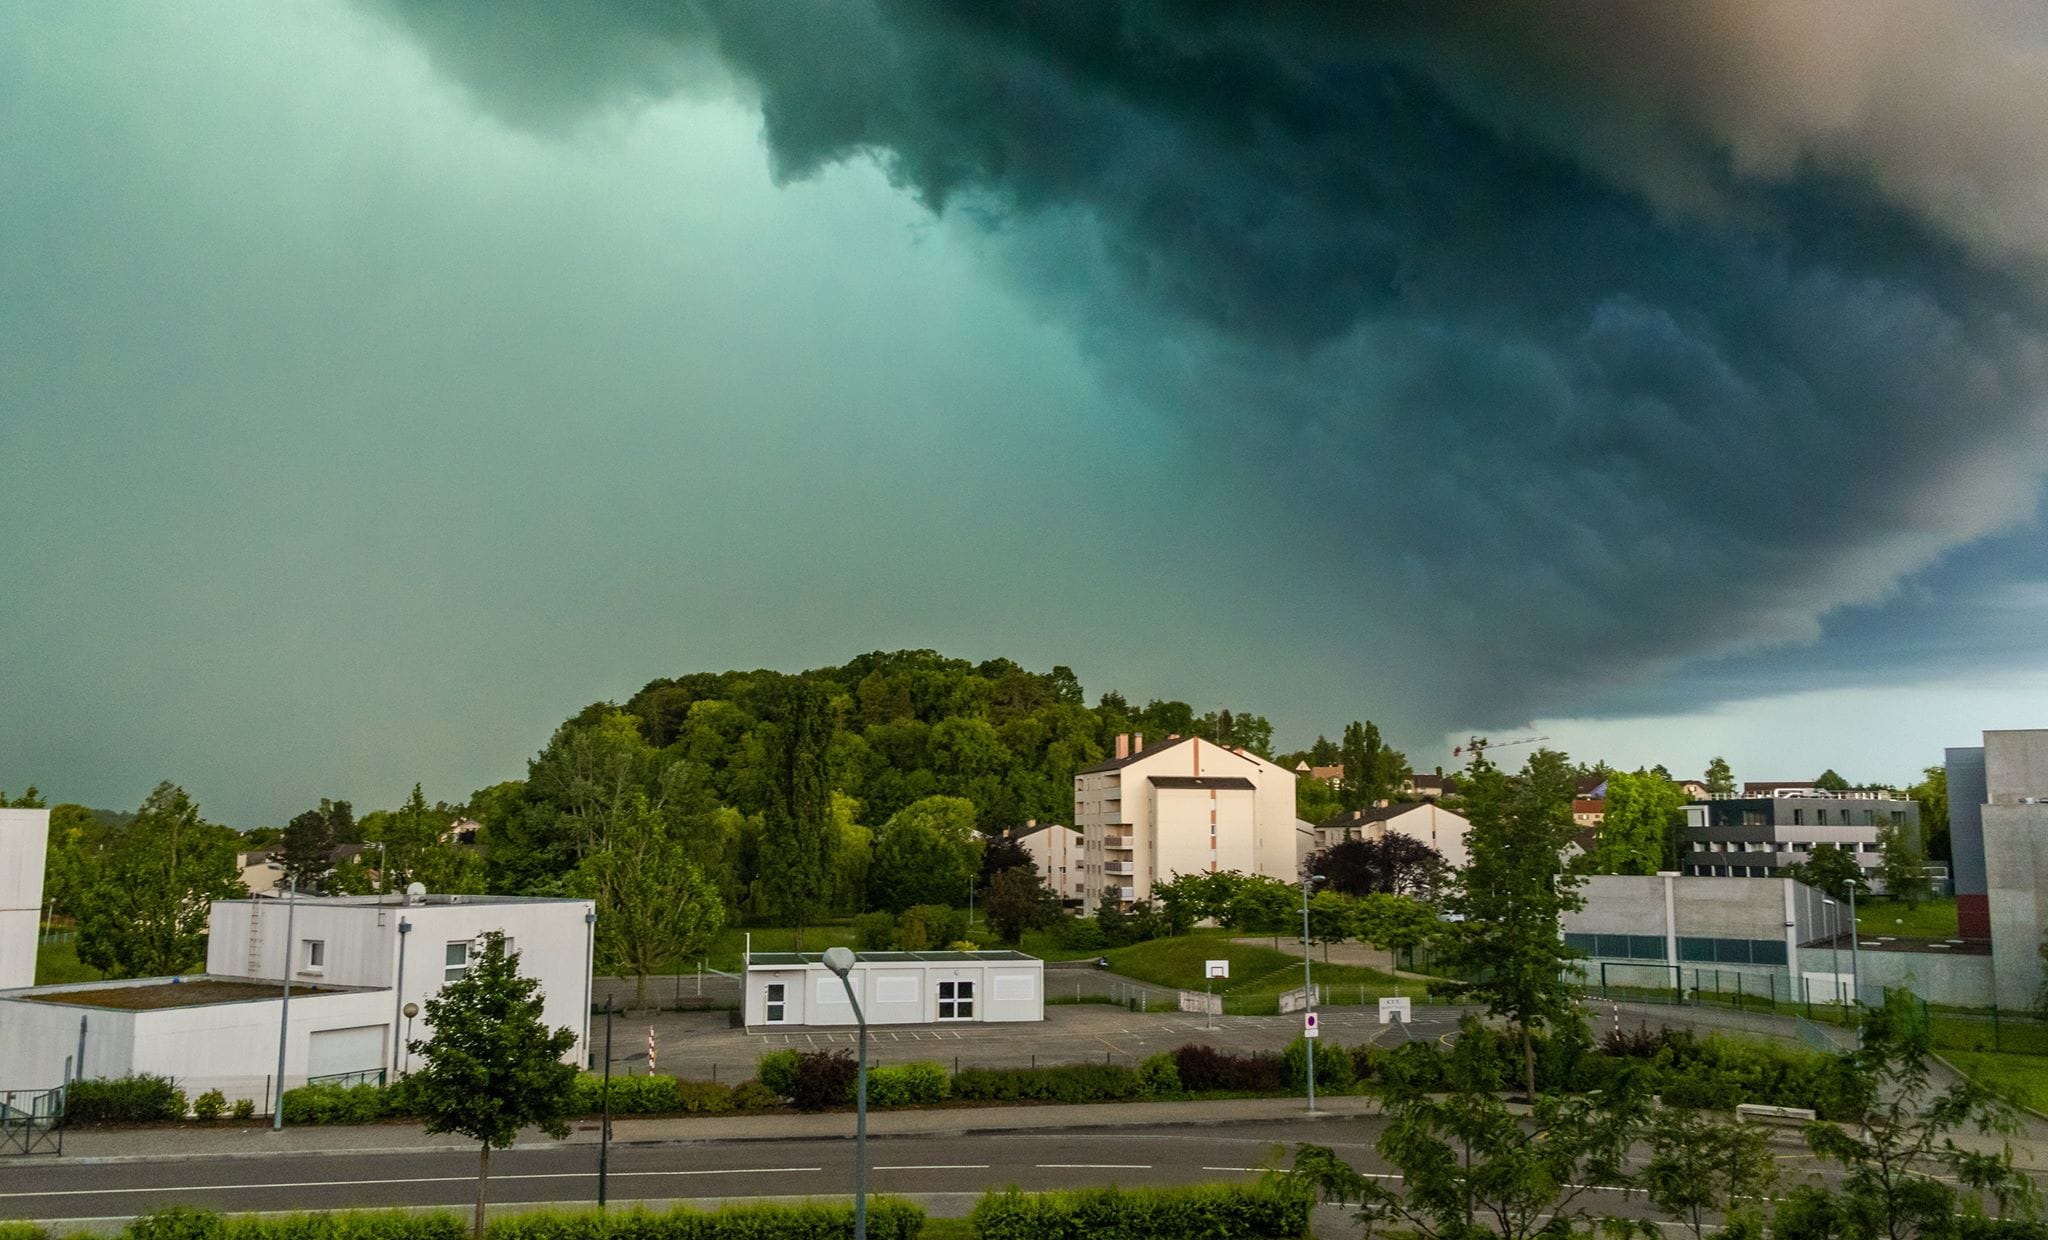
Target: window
x: 956, y: 1000
x: 456, y: 961
x: 1798, y: 817
x: 1820, y: 817
x: 777, y: 997
x: 312, y: 955
x: 1898, y: 818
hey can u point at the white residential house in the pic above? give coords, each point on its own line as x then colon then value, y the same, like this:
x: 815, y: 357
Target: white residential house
x: 1056, y: 851
x: 1187, y: 806
x: 24, y: 836
x: 1439, y: 828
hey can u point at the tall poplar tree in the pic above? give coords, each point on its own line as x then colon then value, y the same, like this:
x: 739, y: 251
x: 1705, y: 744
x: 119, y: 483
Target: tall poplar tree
x: 1512, y: 894
x: 796, y: 857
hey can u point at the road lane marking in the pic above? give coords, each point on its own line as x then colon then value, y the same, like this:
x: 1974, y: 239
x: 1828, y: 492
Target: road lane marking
x: 1095, y: 1166
x: 936, y: 1167
x: 424, y: 1179
x: 1233, y: 1168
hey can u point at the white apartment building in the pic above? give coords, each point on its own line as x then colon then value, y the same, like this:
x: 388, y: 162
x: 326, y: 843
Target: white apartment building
x: 1056, y: 851
x: 24, y: 836
x: 1187, y: 806
x: 1441, y: 829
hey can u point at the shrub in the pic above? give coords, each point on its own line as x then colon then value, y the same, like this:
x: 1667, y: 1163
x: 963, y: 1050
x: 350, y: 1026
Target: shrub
x: 778, y: 1073
x: 889, y: 1218
x: 1204, y: 1069
x: 1159, y: 1076
x: 824, y: 1080
x: 1074, y: 1082
x: 1219, y: 1212
x: 752, y: 1095
x: 877, y: 931
x: 703, y: 1097
x: 904, y: 1085
x: 10, y: 1230
x: 336, y: 1104
x: 209, y: 1105
x: 124, y: 1100
x: 1078, y: 935
x: 244, y: 1108
x: 1334, y: 1071
x: 176, y: 1223
x: 942, y: 924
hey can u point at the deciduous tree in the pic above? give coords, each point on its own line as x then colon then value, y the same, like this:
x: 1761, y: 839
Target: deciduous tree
x: 1720, y: 780
x: 1640, y: 825
x: 306, y: 850
x: 1395, y: 863
x: 491, y: 1066
x: 654, y: 906
x: 796, y: 861
x: 927, y: 853
x: 1018, y: 900
x: 146, y: 913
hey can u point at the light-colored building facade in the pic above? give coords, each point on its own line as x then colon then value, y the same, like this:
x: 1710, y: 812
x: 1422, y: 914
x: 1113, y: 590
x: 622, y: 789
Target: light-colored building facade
x: 894, y: 988
x: 1757, y: 836
x: 1636, y: 929
x: 1186, y: 806
x: 2014, y: 817
x: 409, y: 948
x: 24, y: 838
x: 262, y: 872
x: 1056, y: 851
x: 1441, y: 829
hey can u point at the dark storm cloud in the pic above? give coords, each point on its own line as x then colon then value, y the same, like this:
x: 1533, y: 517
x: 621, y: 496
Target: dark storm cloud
x: 1582, y: 340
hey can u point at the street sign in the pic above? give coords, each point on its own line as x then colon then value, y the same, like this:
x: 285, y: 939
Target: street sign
x: 1394, y: 1011
x: 1308, y: 1026
x: 1216, y: 968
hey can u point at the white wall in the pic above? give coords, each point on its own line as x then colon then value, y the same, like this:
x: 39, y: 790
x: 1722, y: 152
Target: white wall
x: 231, y: 1047
x: 896, y: 992
x: 24, y: 835
x: 363, y: 948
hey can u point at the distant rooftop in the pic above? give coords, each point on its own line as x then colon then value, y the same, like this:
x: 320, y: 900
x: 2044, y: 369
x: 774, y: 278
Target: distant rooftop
x: 397, y: 899
x: 770, y: 959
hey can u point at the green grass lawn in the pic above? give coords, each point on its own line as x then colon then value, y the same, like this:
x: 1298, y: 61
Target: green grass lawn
x: 2022, y: 1078
x: 57, y: 964
x: 1177, y: 962
x: 1930, y: 919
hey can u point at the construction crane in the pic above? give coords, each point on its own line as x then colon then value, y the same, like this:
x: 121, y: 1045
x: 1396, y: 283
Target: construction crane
x: 1480, y: 744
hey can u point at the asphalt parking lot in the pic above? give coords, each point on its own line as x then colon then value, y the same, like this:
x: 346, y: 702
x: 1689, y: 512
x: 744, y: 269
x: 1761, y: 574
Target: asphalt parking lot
x: 704, y: 1045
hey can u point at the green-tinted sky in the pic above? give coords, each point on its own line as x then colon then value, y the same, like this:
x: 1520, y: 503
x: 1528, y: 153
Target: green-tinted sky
x: 368, y: 403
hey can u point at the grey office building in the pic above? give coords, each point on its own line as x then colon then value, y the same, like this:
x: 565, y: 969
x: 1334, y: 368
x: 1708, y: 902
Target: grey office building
x: 1758, y: 836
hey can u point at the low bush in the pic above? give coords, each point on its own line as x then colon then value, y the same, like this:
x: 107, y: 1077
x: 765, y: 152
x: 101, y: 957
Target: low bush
x: 10, y: 1230
x: 1335, y: 1072
x: 209, y: 1105
x: 778, y: 1073
x: 942, y: 924
x: 752, y: 1095
x: 1204, y: 1069
x: 1159, y: 1077
x: 877, y: 931
x: 124, y: 1100
x: 177, y: 1223
x: 1074, y: 1082
x: 889, y: 1218
x: 1213, y: 1211
x: 338, y: 1104
x: 824, y: 1080
x: 905, y: 1085
x: 703, y: 1097
x: 244, y: 1108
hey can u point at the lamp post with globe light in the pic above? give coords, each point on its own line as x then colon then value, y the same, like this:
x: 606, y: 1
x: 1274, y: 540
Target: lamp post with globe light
x: 841, y: 961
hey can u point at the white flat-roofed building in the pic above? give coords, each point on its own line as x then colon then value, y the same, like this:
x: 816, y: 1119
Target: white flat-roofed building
x: 204, y: 1032
x: 410, y: 947
x: 1187, y: 806
x: 24, y: 837
x: 895, y: 988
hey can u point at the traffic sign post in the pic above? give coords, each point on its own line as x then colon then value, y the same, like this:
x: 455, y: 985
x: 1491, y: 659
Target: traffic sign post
x: 1308, y: 1026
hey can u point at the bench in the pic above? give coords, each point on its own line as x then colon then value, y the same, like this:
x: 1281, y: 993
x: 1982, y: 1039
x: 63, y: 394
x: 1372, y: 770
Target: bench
x: 1758, y: 1111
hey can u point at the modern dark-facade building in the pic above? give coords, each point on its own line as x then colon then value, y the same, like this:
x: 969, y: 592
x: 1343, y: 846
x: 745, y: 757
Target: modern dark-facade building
x: 1757, y: 836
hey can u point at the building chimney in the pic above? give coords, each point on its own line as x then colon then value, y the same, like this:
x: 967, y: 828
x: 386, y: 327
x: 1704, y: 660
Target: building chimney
x: 1031, y: 824
x: 1137, y: 742
x: 1123, y: 744
x: 1173, y: 736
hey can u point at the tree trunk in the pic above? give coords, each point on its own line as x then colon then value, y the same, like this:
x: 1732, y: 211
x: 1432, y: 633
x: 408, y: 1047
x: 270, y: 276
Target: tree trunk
x: 1529, y: 1063
x: 640, y: 989
x: 483, y: 1176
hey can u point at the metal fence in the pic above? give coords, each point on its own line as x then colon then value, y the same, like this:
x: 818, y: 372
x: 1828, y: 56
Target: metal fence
x: 372, y: 1076
x: 32, y: 1121
x: 695, y: 991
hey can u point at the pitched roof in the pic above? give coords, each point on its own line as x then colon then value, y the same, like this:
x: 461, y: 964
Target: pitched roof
x: 1111, y: 764
x: 1376, y: 813
x: 1204, y: 781
x: 1018, y: 833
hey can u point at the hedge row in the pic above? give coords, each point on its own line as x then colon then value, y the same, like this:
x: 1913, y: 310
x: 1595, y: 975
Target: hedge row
x: 889, y: 1218
x: 124, y: 1100
x: 1220, y: 1212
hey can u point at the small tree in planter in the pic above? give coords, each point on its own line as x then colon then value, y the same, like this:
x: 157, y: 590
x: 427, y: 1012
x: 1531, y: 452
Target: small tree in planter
x: 491, y: 1066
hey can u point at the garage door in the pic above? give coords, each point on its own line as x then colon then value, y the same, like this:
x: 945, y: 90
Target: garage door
x: 360, y: 1049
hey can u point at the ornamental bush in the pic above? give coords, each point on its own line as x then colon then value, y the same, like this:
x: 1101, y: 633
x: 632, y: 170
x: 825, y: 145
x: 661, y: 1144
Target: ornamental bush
x: 905, y: 1085
x: 824, y: 1080
x: 752, y: 1095
x: 209, y: 1105
x: 1073, y: 1082
x: 1334, y: 1071
x: 124, y: 1100
x: 337, y: 1104
x: 778, y: 1073
x: 1159, y: 1076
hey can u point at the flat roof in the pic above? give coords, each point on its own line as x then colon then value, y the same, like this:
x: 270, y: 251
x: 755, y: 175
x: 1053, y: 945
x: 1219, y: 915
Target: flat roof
x: 398, y: 900
x: 793, y: 959
x: 157, y: 993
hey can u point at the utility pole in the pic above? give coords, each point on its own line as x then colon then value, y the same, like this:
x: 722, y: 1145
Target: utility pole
x: 284, y: 1009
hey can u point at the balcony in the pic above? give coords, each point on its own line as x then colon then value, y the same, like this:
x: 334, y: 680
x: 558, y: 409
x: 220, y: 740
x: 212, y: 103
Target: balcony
x: 1124, y: 868
x: 1120, y: 842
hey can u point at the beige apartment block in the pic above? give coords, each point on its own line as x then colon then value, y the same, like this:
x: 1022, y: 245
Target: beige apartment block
x: 1056, y: 851
x: 1186, y: 806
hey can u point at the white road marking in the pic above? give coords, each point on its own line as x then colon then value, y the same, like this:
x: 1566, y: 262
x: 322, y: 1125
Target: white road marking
x: 424, y: 1179
x: 1095, y: 1166
x: 937, y: 1167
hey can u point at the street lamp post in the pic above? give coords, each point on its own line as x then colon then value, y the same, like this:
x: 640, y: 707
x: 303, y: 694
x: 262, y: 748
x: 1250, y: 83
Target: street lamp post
x: 604, y: 1135
x: 841, y: 960
x: 1855, y: 952
x: 1308, y: 985
x: 284, y: 1007
x: 1834, y: 946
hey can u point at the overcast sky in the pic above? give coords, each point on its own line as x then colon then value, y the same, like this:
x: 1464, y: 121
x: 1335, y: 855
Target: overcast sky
x: 380, y: 382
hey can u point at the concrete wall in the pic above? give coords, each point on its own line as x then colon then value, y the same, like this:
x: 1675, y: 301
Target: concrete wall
x: 1937, y: 977
x: 896, y: 992
x: 24, y: 835
x: 364, y: 946
x: 2016, y: 863
x: 231, y: 1047
x: 2016, y: 765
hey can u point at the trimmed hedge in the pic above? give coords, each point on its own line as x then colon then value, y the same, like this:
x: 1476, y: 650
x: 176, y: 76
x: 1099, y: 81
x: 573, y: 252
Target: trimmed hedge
x: 1073, y: 1082
x: 1204, y: 1069
x: 907, y: 1085
x: 889, y: 1218
x: 124, y: 1100
x: 1211, y: 1211
x: 22, y: 1231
